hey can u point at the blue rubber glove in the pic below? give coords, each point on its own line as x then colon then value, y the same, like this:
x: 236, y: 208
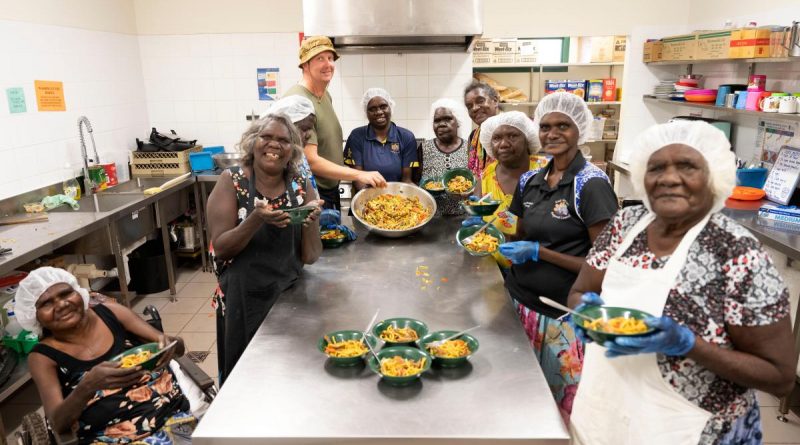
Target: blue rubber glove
x: 472, y: 221
x: 474, y: 198
x: 330, y: 217
x: 349, y: 235
x: 587, y: 299
x: 520, y: 251
x: 672, y: 339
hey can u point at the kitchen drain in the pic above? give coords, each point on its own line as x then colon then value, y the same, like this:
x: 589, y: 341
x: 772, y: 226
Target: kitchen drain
x: 197, y: 356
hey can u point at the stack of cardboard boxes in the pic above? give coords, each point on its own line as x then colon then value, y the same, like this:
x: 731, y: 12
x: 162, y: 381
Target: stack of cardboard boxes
x: 742, y: 43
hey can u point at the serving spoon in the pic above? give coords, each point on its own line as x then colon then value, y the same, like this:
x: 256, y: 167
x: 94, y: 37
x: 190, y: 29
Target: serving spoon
x: 560, y: 306
x: 471, y: 238
x: 364, y: 336
x: 437, y: 343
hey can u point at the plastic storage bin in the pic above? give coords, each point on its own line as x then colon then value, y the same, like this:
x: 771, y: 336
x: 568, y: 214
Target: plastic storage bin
x: 22, y: 343
x: 201, y: 161
x: 751, y: 177
x: 215, y: 149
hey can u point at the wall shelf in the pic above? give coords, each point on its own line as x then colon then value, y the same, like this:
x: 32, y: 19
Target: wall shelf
x: 533, y: 104
x: 760, y: 114
x: 536, y: 65
x: 757, y: 60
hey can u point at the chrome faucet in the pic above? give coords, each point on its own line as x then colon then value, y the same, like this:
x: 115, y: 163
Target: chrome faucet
x: 88, y: 184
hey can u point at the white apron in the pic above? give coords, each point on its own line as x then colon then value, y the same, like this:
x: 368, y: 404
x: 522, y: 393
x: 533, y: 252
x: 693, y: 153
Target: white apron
x: 625, y: 400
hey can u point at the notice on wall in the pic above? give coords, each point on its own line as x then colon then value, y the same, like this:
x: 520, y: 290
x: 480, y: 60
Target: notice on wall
x: 783, y: 177
x: 267, y: 83
x: 50, y: 95
x: 16, y: 100
x: 771, y: 136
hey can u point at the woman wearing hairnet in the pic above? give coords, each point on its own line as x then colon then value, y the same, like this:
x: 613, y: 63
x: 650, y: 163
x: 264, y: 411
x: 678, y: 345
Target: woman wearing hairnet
x: 720, y: 308
x: 448, y: 149
x: 509, y: 139
x: 561, y: 209
x: 381, y: 145
x: 80, y: 388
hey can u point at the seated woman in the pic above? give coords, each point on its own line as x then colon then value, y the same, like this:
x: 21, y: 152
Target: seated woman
x: 81, y: 390
x: 561, y: 208
x: 720, y: 305
x: 250, y: 232
x: 381, y: 145
x: 447, y: 150
x: 510, y: 140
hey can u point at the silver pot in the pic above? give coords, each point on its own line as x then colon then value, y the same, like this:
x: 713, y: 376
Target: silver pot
x: 225, y: 160
x: 395, y: 188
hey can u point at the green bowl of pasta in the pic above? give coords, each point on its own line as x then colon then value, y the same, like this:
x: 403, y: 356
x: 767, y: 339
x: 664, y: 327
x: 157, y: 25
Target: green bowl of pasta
x: 610, y: 322
x: 400, y: 365
x: 145, y: 355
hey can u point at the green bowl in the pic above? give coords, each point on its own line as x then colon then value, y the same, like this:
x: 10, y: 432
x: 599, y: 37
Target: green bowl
x: 400, y: 322
x: 149, y: 364
x: 452, y: 173
x: 330, y: 243
x: 467, y: 231
x: 425, y: 181
x: 297, y: 215
x: 471, y: 341
x: 608, y: 312
x: 406, y: 352
x: 346, y: 335
x: 486, y: 208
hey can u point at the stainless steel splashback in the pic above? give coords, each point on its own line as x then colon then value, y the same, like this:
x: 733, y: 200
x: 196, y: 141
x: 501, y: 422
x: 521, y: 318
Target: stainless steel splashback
x: 395, y: 25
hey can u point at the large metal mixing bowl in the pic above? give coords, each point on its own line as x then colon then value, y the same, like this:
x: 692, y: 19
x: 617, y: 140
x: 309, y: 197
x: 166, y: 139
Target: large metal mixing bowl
x: 394, y: 188
x: 225, y: 160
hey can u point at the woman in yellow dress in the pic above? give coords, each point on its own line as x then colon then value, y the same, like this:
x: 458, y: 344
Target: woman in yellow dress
x: 508, y: 140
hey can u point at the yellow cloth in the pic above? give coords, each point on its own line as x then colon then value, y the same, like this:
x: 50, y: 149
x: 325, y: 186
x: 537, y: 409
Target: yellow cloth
x: 506, y: 221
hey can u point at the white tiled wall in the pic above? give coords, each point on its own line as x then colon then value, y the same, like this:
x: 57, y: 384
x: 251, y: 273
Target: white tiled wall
x: 204, y: 85
x: 413, y: 80
x: 102, y: 80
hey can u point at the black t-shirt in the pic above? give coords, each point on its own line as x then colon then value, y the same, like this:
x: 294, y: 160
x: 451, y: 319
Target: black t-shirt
x: 550, y: 217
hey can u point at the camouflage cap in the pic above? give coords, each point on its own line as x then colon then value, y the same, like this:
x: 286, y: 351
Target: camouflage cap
x: 314, y: 45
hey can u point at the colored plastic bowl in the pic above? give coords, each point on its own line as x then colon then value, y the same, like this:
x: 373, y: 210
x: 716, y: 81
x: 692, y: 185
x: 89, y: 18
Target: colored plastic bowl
x: 149, y: 364
x: 342, y: 336
x: 297, y: 215
x: 406, y: 352
x: 751, y: 177
x: 472, y: 344
x: 606, y: 313
x: 400, y: 322
x: 467, y: 231
x: 332, y: 242
x: 452, y: 173
x: 432, y: 182
x: 485, y: 208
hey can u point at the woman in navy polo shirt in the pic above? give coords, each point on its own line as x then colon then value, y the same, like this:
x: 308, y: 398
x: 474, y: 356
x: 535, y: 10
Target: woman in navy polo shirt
x: 381, y: 145
x: 561, y: 209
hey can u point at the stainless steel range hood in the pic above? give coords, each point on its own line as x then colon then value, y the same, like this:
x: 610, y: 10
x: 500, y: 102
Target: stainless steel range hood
x: 395, y: 25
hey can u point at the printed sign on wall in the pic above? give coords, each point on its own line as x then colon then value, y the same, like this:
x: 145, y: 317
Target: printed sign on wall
x: 268, y: 83
x: 50, y: 95
x: 16, y: 100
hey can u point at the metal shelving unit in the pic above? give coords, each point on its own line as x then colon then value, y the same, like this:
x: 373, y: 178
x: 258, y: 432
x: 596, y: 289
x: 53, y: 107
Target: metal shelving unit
x: 479, y: 66
x: 756, y: 60
x: 702, y: 106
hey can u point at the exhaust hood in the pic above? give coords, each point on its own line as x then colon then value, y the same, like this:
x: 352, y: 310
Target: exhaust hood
x: 395, y: 25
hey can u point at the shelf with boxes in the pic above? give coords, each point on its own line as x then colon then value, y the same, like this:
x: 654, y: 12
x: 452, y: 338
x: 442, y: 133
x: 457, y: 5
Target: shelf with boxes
x: 711, y: 106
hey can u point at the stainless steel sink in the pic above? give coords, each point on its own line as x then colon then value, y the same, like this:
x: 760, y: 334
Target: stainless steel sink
x: 102, y: 202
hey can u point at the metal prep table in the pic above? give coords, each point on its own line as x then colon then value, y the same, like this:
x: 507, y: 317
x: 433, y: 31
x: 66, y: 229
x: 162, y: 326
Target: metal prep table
x: 787, y: 243
x: 284, y: 391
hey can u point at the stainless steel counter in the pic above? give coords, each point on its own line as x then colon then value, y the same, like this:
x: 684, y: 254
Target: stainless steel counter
x: 284, y: 391
x: 746, y: 214
x: 32, y: 240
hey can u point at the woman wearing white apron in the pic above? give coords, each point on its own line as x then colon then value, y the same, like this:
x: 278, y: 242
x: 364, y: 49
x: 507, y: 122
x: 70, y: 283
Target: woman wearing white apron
x: 720, y: 305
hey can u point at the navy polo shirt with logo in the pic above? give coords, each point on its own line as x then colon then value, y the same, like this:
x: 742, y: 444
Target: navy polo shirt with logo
x: 548, y: 215
x: 388, y: 158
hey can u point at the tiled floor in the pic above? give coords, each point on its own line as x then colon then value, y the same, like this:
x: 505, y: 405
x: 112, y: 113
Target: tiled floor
x: 191, y: 317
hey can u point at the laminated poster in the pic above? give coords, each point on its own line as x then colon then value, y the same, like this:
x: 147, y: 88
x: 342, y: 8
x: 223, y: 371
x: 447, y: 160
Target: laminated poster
x: 782, y: 179
x: 50, y: 95
x: 16, y: 100
x: 268, y: 83
x: 771, y: 136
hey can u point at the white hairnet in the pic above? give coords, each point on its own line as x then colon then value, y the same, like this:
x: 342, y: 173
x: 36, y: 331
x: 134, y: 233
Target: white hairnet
x: 296, y: 107
x: 459, y: 111
x: 372, y: 93
x: 33, y: 286
x: 569, y: 104
x: 516, y: 119
x: 705, y: 138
